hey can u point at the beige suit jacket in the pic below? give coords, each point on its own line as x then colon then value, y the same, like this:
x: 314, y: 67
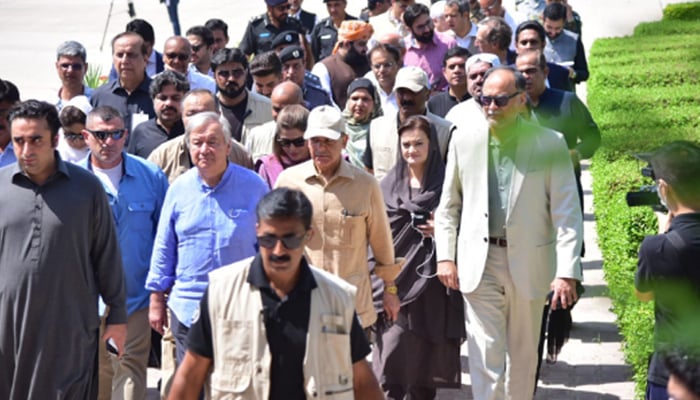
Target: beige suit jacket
x: 543, y: 219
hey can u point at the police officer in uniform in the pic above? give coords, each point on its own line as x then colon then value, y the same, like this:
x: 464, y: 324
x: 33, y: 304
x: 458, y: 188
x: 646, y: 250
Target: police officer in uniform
x: 307, y: 19
x: 325, y: 33
x: 290, y: 38
x: 261, y: 30
x: 292, y: 58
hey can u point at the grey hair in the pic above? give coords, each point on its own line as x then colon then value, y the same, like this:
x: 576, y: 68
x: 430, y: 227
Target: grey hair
x: 206, y: 117
x: 71, y: 48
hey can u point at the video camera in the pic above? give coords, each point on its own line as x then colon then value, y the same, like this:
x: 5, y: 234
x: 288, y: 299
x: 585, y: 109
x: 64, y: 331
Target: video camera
x: 647, y: 195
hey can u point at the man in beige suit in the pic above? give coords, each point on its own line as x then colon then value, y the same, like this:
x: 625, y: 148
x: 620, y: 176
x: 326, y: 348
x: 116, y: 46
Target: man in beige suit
x: 510, y: 218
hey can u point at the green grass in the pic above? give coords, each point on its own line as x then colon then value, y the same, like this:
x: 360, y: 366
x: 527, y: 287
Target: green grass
x: 644, y: 91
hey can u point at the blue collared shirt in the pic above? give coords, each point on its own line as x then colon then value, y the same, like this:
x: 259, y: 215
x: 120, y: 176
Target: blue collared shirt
x: 136, y: 209
x: 8, y: 157
x: 201, y: 229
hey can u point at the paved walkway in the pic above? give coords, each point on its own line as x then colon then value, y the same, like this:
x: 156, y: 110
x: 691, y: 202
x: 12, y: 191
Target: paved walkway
x: 591, y: 364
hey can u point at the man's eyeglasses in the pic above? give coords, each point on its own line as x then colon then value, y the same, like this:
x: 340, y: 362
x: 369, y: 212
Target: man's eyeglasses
x: 71, y: 136
x: 103, y: 135
x: 73, y: 66
x: 196, y: 47
x: 298, y: 142
x: 289, y: 242
x: 225, y: 74
x: 385, y: 65
x: 179, y: 56
x: 501, y: 101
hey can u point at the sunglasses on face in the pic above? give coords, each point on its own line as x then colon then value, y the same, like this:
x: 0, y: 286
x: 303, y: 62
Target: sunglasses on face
x: 501, y: 101
x: 73, y: 66
x: 181, y: 57
x: 386, y: 65
x: 289, y: 242
x: 195, y: 48
x: 298, y: 142
x: 225, y: 74
x: 103, y: 135
x: 71, y: 136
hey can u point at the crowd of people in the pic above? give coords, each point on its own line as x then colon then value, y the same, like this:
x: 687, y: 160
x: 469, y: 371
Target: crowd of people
x: 257, y: 217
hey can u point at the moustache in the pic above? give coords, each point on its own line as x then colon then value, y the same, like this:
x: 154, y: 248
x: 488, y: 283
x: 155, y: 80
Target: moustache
x: 274, y: 258
x: 407, y: 103
x: 168, y: 108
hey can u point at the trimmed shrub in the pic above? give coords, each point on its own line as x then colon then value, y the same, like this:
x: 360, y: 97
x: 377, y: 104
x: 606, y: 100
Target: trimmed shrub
x: 682, y: 12
x: 644, y: 91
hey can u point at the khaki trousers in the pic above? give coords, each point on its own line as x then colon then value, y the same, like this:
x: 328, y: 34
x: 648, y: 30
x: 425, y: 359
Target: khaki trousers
x: 167, y: 362
x: 126, y: 378
x: 503, y: 330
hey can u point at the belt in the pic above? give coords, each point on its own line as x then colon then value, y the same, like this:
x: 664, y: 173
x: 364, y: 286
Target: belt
x: 500, y: 242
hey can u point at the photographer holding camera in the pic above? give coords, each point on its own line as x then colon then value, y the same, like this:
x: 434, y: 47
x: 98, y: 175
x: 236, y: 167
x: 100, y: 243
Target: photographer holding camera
x: 668, y: 268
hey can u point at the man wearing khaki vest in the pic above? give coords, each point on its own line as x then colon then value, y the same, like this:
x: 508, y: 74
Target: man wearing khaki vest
x: 273, y: 327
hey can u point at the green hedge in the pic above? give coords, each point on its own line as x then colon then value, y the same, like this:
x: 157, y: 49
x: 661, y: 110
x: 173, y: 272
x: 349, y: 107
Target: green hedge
x: 682, y: 12
x: 644, y: 91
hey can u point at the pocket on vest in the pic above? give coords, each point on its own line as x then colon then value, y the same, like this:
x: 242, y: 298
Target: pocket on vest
x: 336, y: 378
x: 232, y: 374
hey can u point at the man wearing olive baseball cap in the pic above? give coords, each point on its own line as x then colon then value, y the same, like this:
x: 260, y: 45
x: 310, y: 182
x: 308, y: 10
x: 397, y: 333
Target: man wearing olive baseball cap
x: 349, y: 214
x: 412, y: 92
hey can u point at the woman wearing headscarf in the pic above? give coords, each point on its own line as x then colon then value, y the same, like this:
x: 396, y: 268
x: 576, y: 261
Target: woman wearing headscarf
x: 420, y: 351
x: 362, y: 106
x: 289, y: 147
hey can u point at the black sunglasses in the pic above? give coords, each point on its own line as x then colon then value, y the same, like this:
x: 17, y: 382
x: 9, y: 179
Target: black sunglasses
x: 298, y: 142
x: 179, y: 56
x: 500, y: 101
x: 289, y: 242
x: 195, y: 48
x: 74, y: 66
x: 70, y: 136
x: 103, y: 135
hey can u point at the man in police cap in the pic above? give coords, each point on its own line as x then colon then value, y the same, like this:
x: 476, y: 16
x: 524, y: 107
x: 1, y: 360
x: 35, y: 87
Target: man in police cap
x: 293, y: 70
x: 325, y: 33
x: 262, y: 29
x: 290, y: 38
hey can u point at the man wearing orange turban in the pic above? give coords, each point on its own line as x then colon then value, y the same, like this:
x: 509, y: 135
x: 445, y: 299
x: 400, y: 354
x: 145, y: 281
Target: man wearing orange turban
x: 349, y: 60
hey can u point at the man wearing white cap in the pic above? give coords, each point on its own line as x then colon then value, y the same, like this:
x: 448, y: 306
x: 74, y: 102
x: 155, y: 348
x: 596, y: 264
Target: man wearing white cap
x: 476, y: 68
x: 349, y: 214
x: 412, y: 92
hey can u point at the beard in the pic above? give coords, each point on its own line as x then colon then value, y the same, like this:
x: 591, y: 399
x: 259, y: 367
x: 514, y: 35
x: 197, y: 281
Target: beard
x: 231, y: 90
x: 356, y: 60
x: 425, y: 38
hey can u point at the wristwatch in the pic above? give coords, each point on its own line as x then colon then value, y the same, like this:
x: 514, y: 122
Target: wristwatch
x: 392, y: 289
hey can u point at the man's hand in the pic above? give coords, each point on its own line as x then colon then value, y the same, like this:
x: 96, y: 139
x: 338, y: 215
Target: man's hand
x: 116, y: 332
x: 157, y: 317
x: 664, y: 220
x: 564, y: 293
x: 447, y: 273
x: 392, y: 304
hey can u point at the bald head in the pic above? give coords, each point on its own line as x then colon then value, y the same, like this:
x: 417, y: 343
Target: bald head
x: 284, y: 94
x: 393, y: 39
x: 176, y: 54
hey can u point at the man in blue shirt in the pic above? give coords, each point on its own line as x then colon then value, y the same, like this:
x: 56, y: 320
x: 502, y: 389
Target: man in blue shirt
x: 135, y: 189
x: 9, y: 96
x: 207, y: 221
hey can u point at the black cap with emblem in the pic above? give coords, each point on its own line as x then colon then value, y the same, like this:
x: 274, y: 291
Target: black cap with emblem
x: 291, y: 53
x: 285, y: 38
